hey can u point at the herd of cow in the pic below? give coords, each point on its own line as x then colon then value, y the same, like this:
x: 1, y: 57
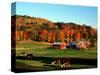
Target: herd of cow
x: 64, y: 62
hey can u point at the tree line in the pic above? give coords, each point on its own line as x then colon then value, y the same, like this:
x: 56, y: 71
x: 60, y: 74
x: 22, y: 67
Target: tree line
x: 40, y: 29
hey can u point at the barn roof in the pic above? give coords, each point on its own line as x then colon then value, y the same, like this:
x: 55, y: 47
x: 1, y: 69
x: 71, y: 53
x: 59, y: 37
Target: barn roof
x: 57, y: 43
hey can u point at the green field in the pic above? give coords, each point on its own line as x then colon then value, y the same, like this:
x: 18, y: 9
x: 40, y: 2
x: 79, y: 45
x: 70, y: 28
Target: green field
x: 45, y: 51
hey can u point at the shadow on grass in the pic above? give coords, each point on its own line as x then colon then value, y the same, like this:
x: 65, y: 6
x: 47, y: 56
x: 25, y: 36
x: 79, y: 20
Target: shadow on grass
x: 48, y: 60
x: 22, y: 67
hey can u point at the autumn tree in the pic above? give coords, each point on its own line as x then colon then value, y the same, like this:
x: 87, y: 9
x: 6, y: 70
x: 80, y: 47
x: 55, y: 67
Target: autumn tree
x: 43, y: 35
x: 76, y: 35
x: 49, y: 36
x: 40, y: 29
x: 61, y: 36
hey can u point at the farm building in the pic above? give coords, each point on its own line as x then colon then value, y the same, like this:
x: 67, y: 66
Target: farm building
x: 58, y: 45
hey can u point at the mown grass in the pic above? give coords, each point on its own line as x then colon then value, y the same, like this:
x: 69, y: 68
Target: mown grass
x: 30, y: 45
x: 60, y: 53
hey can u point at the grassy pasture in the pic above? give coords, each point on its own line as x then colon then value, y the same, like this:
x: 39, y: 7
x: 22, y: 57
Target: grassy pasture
x: 43, y: 50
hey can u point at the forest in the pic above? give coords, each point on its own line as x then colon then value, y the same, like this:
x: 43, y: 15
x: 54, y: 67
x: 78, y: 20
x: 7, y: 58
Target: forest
x: 40, y: 29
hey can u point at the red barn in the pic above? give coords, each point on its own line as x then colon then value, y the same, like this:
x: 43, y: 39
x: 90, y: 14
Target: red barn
x: 59, y: 45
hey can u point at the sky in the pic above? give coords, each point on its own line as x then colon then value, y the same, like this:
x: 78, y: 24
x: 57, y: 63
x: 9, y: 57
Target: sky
x: 58, y: 12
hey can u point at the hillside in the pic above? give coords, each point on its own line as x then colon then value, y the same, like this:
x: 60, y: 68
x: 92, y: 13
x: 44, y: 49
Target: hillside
x: 40, y: 29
